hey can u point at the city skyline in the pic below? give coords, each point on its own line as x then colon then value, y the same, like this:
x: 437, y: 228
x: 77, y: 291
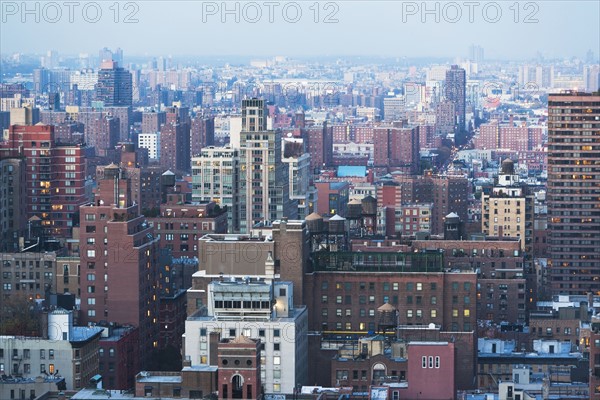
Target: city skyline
x: 443, y: 29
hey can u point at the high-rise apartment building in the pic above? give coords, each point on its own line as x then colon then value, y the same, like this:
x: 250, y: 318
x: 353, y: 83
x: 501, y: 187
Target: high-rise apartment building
x: 152, y: 121
x: 215, y: 177
x: 114, y: 85
x: 119, y: 262
x: 12, y: 205
x: 264, y: 185
x: 299, y: 173
x: 319, y: 140
x: 202, y: 133
x: 55, y: 179
x: 456, y: 85
x: 573, y: 197
x: 396, y: 148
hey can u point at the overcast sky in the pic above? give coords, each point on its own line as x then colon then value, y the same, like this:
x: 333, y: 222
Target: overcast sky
x: 279, y: 27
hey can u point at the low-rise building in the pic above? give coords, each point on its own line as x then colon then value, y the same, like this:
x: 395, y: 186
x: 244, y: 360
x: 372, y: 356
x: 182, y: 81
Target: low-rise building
x: 68, y: 351
x: 497, y: 357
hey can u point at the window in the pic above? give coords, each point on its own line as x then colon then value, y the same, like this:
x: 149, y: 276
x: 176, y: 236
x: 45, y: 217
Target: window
x: 467, y: 313
x: 409, y: 313
x: 231, y: 332
x: 276, y: 360
x: 433, y: 300
x: 276, y: 332
x: 277, y: 387
x: 433, y: 313
x: 455, y: 312
x: 42, y: 368
x: 276, y: 346
x: 424, y: 362
x: 437, y: 361
x: 419, y: 286
x: 430, y: 361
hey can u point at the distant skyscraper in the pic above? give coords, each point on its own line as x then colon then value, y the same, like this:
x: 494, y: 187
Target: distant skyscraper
x: 591, y: 77
x: 573, y: 181
x: 456, y: 85
x: 114, y: 85
x: 476, y: 53
x: 40, y: 80
x: 106, y: 54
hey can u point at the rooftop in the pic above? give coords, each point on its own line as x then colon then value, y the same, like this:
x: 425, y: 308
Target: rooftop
x: 83, y: 333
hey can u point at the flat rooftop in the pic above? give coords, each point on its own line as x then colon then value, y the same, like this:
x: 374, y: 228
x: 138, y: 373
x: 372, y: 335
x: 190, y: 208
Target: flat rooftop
x: 83, y: 333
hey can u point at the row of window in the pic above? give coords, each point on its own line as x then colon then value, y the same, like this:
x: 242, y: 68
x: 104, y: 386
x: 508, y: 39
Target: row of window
x: 409, y: 286
x: 247, y: 332
x: 430, y: 362
x: 26, y: 354
x: 363, y: 326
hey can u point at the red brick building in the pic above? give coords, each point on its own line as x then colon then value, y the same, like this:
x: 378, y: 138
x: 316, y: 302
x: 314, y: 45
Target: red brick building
x: 430, y: 362
x: 119, y: 262
x: 396, y: 148
x: 595, y: 358
x: 239, y: 368
x: 447, y: 194
x: 119, y: 357
x: 202, y: 134
x: 502, y: 294
x: 319, y: 139
x: 55, y: 176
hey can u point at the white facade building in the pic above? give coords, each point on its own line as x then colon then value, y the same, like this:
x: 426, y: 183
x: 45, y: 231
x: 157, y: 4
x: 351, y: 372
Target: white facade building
x: 258, y: 309
x: 150, y: 141
x: 69, y: 351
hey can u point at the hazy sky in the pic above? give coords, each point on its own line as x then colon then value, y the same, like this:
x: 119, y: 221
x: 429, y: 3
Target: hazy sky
x: 506, y: 29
